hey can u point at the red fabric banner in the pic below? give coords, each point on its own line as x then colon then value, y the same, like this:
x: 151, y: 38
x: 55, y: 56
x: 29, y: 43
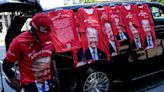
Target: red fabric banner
x: 64, y: 34
x: 108, y: 29
x: 132, y: 26
x: 91, y: 36
x: 115, y: 14
x: 146, y: 25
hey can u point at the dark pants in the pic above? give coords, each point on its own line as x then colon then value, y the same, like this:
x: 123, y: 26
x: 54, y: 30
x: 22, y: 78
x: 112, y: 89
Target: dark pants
x: 33, y: 87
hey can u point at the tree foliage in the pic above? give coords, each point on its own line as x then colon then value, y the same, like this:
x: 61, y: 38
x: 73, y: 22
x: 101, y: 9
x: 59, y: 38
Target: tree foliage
x: 88, y: 1
x: 161, y: 1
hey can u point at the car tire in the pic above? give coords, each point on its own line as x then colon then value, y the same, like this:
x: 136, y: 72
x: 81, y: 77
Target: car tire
x: 95, y: 80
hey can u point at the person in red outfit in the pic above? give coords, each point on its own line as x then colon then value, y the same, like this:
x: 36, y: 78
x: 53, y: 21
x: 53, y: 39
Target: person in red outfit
x: 33, y: 50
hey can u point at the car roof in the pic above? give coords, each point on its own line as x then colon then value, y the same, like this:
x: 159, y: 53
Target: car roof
x: 19, y: 5
x: 106, y: 3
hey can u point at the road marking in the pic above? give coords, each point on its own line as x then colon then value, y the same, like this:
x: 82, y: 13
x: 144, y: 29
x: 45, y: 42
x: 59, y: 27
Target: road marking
x: 153, y: 73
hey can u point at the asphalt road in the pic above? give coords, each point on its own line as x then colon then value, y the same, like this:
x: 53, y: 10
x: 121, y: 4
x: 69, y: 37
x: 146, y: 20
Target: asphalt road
x: 153, y: 83
x: 150, y: 84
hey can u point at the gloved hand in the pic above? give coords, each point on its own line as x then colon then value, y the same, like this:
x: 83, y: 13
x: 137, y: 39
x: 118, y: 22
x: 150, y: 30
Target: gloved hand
x: 15, y: 83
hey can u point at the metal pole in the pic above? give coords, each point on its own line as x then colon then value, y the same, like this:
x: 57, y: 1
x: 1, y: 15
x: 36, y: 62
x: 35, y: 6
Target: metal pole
x: 2, y: 90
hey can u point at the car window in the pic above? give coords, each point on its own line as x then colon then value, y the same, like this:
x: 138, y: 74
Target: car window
x: 26, y: 25
x: 157, y: 12
x: 5, y: 20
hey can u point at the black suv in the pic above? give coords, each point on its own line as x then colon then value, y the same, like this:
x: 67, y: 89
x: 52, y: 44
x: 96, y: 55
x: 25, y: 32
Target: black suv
x: 127, y: 66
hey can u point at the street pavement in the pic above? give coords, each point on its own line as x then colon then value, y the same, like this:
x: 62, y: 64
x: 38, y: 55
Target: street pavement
x: 158, y: 89
x: 2, y: 55
x: 2, y: 52
x: 153, y: 83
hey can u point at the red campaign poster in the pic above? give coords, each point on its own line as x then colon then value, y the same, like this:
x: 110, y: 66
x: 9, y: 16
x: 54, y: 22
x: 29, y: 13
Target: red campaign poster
x: 91, y: 36
x: 132, y: 26
x: 64, y: 34
x: 146, y: 24
x: 108, y: 29
x: 115, y: 14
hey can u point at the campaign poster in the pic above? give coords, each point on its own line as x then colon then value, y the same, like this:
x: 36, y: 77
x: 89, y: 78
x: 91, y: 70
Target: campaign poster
x: 108, y: 29
x: 146, y: 25
x: 132, y: 26
x: 115, y: 15
x: 93, y: 45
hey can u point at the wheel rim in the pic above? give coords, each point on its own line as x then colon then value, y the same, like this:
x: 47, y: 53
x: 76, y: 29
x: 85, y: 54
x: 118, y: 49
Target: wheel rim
x: 96, y: 82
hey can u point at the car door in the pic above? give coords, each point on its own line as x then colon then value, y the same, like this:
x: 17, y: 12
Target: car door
x: 13, y: 15
x: 151, y: 61
x: 157, y: 11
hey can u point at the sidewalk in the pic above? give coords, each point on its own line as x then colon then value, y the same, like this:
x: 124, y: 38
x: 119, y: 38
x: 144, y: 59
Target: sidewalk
x: 2, y: 39
x: 2, y: 43
x: 157, y: 89
x: 2, y: 46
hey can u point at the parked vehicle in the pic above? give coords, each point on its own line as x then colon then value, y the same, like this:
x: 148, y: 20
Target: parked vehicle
x: 128, y: 66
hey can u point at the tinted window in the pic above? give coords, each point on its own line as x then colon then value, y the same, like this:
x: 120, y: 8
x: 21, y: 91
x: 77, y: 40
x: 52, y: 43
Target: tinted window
x: 158, y: 14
